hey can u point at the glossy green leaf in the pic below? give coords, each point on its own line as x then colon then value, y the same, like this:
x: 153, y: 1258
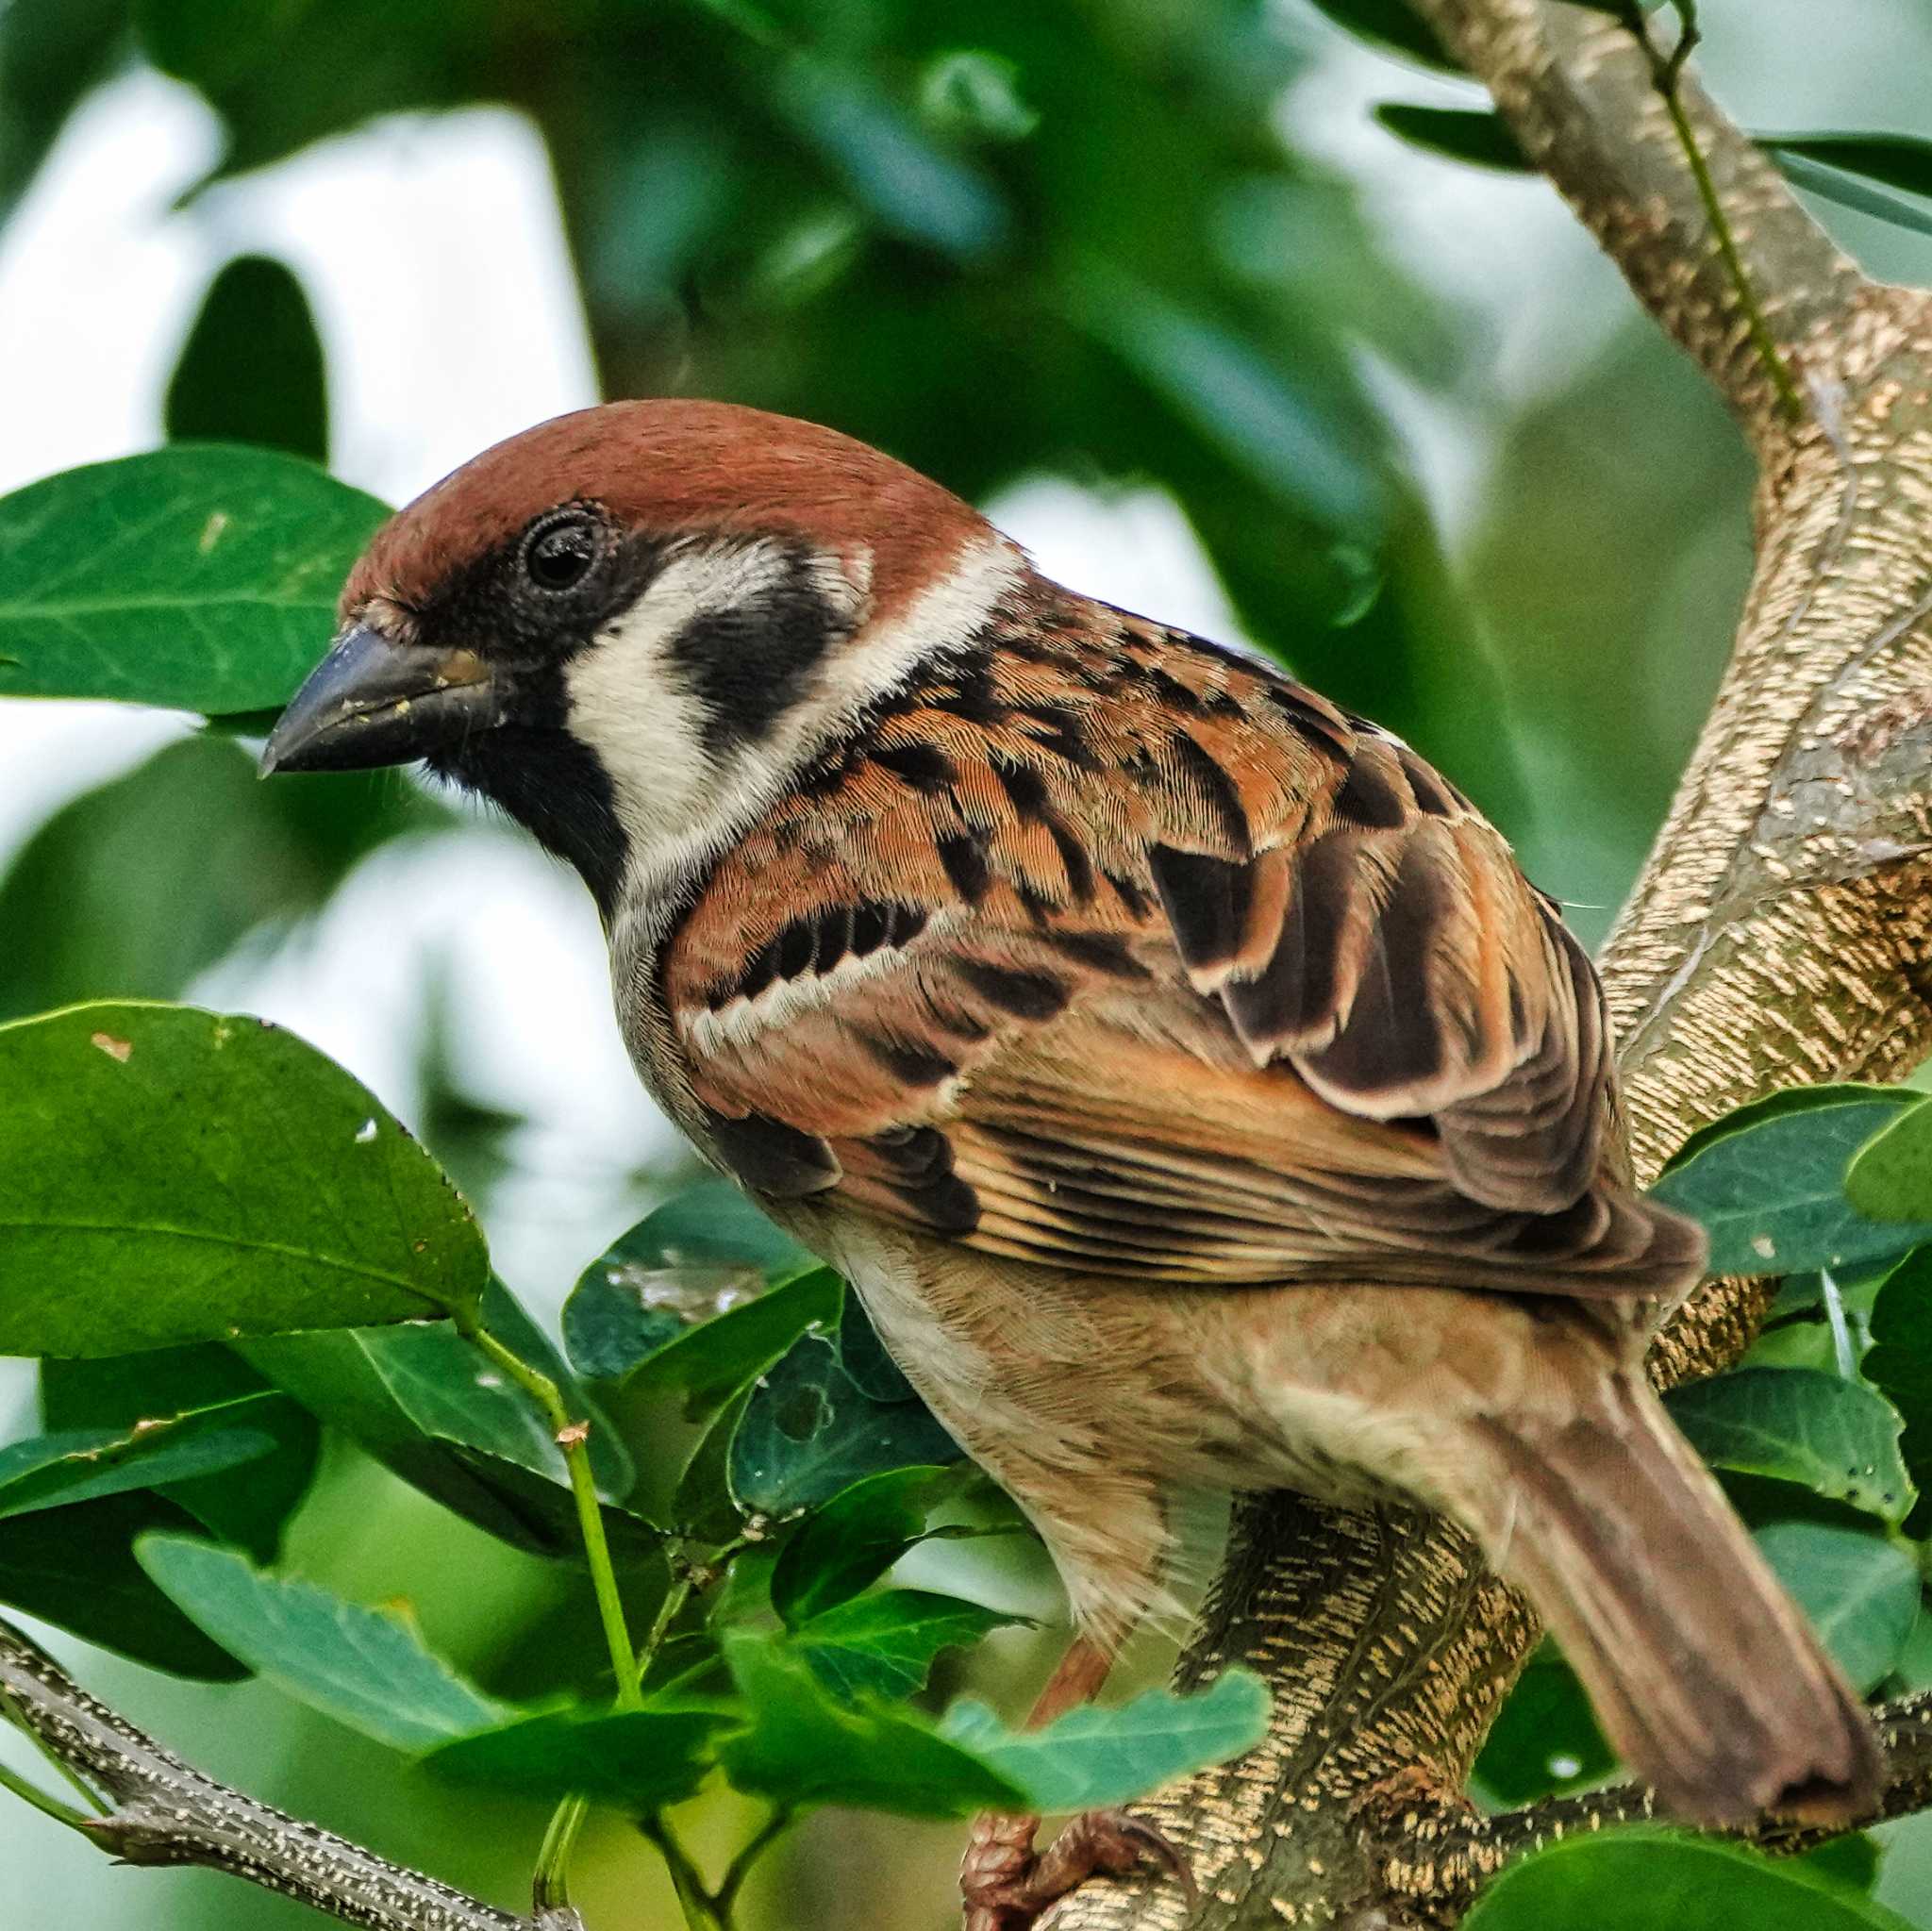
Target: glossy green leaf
x: 1890, y: 1176
x: 432, y: 1409
x: 635, y: 1760
x: 79, y: 1464
x: 1641, y: 1879
x: 708, y: 1366
x: 846, y: 1546
x: 363, y: 1667
x: 1800, y: 1424
x: 811, y: 1427
x: 1545, y: 1741
x: 177, y: 1175
x: 1097, y: 1758
x: 1770, y: 1191
x: 1392, y: 25
x: 132, y: 889
x: 202, y: 577
x: 1899, y: 1363
x: 75, y: 1568
x: 804, y: 1745
x: 702, y: 1254
x: 1861, y: 1592
x: 1478, y: 136
x: 119, y: 1392
x: 251, y: 370
x: 884, y: 1644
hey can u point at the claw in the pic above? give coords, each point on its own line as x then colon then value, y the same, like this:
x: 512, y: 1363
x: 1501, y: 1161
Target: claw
x: 1006, y: 1885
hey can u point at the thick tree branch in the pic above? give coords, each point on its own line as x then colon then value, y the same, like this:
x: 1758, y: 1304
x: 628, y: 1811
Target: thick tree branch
x: 1781, y: 933
x: 162, y: 1812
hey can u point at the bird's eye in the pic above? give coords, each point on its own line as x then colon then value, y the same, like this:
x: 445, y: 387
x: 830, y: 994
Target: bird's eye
x: 558, y: 555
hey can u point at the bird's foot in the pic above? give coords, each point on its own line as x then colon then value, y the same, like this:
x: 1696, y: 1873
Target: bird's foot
x: 1005, y: 1884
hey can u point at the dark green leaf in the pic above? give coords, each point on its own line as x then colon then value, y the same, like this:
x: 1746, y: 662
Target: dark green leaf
x: 805, y: 1746
x: 132, y: 889
x: 1776, y: 1106
x: 50, y: 57
x: 202, y: 577
x: 119, y: 1390
x: 1480, y: 136
x: 1838, y: 166
x: 884, y: 1644
x: 1861, y: 1592
x: 1646, y: 1880
x: 1393, y: 25
x: 810, y: 1429
x: 709, y: 1365
x: 1097, y: 1757
x: 1834, y: 184
x: 1836, y: 1437
x: 363, y: 1667
x: 635, y: 1760
x: 251, y: 370
x: 1890, y: 1176
x: 76, y: 1567
x: 1899, y: 1362
x: 697, y: 1257
x: 177, y: 1175
x: 1546, y: 1742
x: 78, y: 1465
x: 1771, y: 1192
x: 848, y: 1545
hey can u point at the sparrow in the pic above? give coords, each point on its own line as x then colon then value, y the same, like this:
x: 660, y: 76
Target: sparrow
x: 1179, y: 1067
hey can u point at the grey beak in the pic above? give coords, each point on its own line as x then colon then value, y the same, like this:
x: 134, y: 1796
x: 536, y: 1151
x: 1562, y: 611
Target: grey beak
x: 374, y: 702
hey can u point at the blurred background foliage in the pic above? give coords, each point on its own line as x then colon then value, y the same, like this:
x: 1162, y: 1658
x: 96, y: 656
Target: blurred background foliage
x: 1075, y: 257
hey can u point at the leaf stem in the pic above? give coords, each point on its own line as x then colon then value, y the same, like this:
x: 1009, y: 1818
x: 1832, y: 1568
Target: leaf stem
x: 701, y: 1912
x: 15, y: 1715
x: 30, y: 1792
x: 768, y: 1833
x: 1665, y: 71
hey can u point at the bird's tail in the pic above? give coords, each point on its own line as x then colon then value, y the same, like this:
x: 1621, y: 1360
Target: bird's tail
x: 1707, y: 1678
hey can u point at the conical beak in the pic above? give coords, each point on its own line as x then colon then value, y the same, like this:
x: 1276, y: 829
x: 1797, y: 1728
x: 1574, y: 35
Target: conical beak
x: 373, y: 702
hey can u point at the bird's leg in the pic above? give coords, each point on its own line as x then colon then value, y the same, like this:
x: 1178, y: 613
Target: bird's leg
x: 1003, y: 1882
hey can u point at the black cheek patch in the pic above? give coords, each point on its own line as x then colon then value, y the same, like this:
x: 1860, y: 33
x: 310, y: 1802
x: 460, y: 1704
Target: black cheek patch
x: 747, y: 663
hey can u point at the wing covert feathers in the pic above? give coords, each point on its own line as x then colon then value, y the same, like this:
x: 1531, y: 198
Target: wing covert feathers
x: 1101, y: 946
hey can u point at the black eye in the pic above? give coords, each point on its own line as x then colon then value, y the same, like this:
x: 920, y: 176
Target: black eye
x: 559, y: 554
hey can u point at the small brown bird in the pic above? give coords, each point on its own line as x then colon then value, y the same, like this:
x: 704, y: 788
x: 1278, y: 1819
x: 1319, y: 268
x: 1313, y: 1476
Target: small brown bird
x: 1180, y: 1068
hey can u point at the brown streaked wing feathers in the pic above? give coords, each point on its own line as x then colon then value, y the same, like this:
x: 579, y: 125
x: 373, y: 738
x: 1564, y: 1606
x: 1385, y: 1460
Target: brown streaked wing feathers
x: 1232, y: 989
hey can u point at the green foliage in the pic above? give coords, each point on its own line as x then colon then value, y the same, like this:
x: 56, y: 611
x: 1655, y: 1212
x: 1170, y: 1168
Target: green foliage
x: 1861, y: 1592
x: 161, y: 1169
x: 256, y: 317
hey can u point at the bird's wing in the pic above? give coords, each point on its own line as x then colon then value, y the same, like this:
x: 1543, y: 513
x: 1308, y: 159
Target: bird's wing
x: 1114, y: 950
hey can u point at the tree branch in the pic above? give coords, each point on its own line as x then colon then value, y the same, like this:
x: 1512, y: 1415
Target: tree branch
x: 165, y: 1812
x: 1781, y: 934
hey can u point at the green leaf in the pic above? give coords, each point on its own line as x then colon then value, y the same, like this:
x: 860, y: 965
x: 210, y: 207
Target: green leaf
x: 251, y: 370
x: 697, y: 1257
x: 1770, y: 1191
x: 50, y: 57
x: 1392, y: 25
x: 119, y: 1390
x: 709, y: 1366
x: 429, y: 1406
x: 635, y: 1760
x: 1890, y: 1176
x: 1861, y: 1592
x: 1478, y: 136
x: 1546, y: 1742
x: 811, y: 1427
x: 1096, y: 1758
x: 1836, y: 1437
x: 805, y: 1746
x: 885, y: 1644
x: 78, y: 1465
x: 176, y: 1176
x: 1641, y: 1879
x: 848, y: 1545
x: 76, y: 1567
x: 202, y: 577
x: 1899, y: 1362
x: 363, y: 1667
x: 132, y: 889
x: 1841, y: 167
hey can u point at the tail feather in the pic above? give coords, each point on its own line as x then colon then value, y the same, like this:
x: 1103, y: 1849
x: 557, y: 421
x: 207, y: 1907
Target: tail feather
x: 1704, y: 1676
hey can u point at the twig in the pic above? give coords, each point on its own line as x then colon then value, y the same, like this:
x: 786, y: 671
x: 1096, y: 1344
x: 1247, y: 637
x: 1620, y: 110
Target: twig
x: 162, y: 1812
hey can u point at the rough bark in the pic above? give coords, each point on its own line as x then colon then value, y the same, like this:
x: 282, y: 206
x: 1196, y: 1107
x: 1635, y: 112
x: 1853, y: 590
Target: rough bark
x: 1778, y: 935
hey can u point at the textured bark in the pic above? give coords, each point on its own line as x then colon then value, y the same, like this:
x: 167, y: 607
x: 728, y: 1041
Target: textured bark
x: 1780, y: 934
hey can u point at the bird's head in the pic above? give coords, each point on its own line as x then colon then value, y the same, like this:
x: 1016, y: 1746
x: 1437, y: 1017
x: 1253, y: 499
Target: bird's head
x: 630, y: 626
